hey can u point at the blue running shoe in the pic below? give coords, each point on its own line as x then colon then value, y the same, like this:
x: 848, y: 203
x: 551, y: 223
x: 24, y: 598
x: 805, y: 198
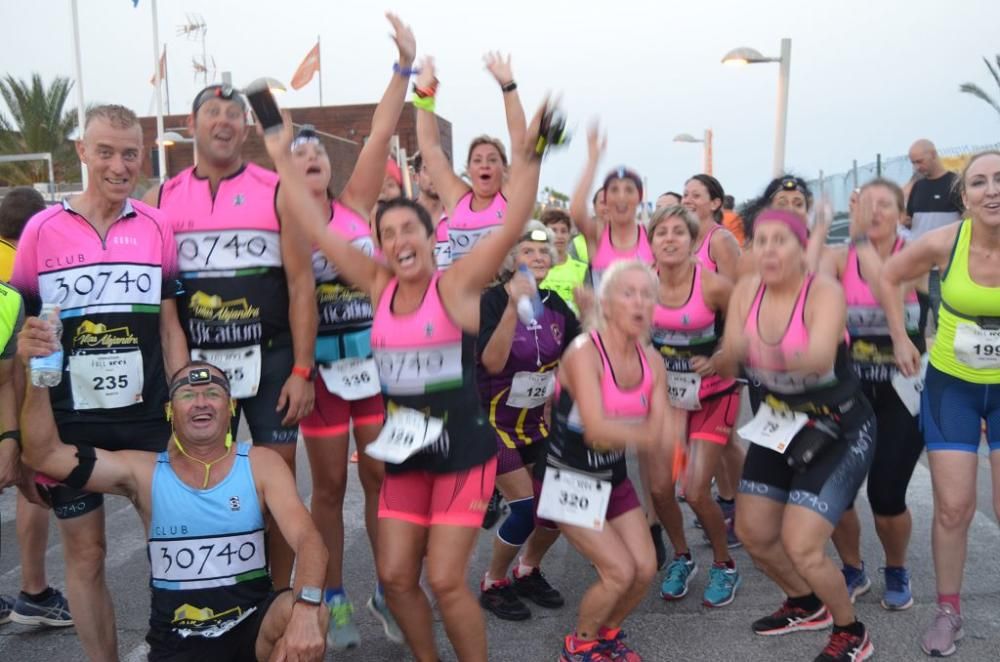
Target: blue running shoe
x: 722, y: 585
x: 342, y: 634
x: 857, y: 581
x: 897, y: 596
x: 380, y: 610
x: 679, y: 574
x: 6, y: 607
x: 53, y: 611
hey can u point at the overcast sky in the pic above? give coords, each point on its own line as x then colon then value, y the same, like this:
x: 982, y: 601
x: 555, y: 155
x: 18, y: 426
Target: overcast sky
x: 866, y: 77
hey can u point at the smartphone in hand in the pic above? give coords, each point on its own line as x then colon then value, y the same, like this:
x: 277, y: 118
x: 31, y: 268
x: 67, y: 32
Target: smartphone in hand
x: 264, y: 106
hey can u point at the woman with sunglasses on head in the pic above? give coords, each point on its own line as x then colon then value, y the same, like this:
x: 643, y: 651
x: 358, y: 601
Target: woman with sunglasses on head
x: 960, y: 390
x: 622, y: 237
x: 516, y: 374
x: 687, y: 324
x: 611, y: 395
x: 478, y: 208
x: 347, y: 392
x: 441, y: 455
x: 813, y: 437
x: 857, y: 266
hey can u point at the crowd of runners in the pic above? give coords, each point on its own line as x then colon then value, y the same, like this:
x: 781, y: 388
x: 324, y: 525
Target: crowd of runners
x: 590, y: 366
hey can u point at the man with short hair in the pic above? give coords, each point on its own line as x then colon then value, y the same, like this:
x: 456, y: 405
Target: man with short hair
x: 37, y: 603
x: 566, y: 273
x: 109, y: 263
x: 933, y: 202
x: 249, y: 303
x: 202, y: 502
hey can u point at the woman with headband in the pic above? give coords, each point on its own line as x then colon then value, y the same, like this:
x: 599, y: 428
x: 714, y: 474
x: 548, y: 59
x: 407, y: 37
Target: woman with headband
x: 622, y: 237
x: 440, y: 453
x: 478, y: 208
x: 347, y: 392
x: 516, y: 372
x: 812, y: 440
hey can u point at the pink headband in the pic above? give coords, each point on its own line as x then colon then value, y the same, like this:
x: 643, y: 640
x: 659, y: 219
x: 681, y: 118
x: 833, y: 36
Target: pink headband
x: 790, y: 220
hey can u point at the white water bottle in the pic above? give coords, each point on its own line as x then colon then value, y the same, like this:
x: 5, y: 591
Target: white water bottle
x: 529, y: 308
x: 47, y: 370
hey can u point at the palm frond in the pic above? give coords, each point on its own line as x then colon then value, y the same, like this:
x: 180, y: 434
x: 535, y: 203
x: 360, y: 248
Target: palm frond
x: 979, y: 93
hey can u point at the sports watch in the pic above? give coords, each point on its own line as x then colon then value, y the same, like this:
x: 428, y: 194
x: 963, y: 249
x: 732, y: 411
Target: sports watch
x: 311, y: 595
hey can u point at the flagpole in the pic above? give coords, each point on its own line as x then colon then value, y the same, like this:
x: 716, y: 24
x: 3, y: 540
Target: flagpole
x: 81, y: 112
x: 166, y: 77
x: 319, y: 57
x: 161, y: 149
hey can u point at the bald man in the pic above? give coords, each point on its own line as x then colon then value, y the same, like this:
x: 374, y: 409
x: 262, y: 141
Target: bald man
x: 933, y: 202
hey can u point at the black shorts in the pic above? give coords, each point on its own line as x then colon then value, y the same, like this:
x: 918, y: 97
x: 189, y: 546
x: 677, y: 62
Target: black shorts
x: 236, y: 645
x: 830, y: 482
x: 262, y: 419
x: 69, y: 502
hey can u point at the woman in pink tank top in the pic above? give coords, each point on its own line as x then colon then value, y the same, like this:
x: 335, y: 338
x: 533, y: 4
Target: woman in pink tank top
x: 477, y: 208
x: 345, y: 316
x: 433, y: 492
x: 622, y: 237
x: 715, y: 246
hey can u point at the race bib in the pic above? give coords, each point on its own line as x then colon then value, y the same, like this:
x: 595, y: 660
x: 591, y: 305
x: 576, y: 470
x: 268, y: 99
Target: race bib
x: 773, y: 429
x: 463, y: 240
x: 530, y: 389
x: 207, y: 562
x: 413, y: 371
x: 442, y: 254
x: 910, y: 388
x: 241, y: 365
x: 228, y: 250
x: 405, y: 432
x: 570, y: 497
x: 106, y: 380
x: 977, y: 347
x: 683, y: 388
x: 351, y: 379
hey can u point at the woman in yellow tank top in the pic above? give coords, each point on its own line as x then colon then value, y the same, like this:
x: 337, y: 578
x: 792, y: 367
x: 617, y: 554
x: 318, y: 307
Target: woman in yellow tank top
x: 962, y: 386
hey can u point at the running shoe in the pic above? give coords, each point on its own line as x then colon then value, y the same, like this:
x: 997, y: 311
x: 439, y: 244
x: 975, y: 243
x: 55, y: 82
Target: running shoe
x: 536, y: 588
x: 6, y: 606
x: 52, y: 611
x: 940, y: 637
x: 897, y: 594
x: 722, y: 585
x: 846, y: 647
x: 679, y: 574
x: 616, y: 649
x: 494, y: 509
x: 342, y: 633
x: 503, y: 602
x: 656, y: 533
x: 380, y: 610
x: 857, y: 580
x: 792, y: 619
x: 594, y: 652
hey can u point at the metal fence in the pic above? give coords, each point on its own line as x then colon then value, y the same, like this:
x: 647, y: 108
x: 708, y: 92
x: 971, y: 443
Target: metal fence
x: 838, y: 187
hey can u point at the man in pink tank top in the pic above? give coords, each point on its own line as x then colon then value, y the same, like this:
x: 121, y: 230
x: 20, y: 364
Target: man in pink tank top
x: 109, y: 263
x: 248, y: 304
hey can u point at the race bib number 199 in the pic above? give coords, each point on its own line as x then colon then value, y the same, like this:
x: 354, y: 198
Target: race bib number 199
x: 977, y: 347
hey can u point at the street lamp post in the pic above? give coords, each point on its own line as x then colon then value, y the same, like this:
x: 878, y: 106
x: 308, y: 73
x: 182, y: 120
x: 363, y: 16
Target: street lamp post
x: 743, y: 55
x: 707, y: 141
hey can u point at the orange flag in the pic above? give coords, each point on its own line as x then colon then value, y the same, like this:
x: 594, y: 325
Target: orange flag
x: 163, y: 68
x: 306, y: 70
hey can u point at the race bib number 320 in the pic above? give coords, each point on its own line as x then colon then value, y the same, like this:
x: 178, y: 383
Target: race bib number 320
x: 106, y: 380
x: 574, y: 498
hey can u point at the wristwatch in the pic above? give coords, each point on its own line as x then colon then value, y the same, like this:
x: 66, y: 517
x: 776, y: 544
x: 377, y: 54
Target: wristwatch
x: 311, y: 595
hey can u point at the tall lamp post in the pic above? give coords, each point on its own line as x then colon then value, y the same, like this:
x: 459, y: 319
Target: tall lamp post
x: 707, y: 141
x: 743, y: 55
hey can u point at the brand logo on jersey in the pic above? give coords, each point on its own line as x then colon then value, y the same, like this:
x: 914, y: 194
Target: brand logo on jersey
x: 90, y: 335
x: 202, y: 617
x: 212, y: 307
x: 429, y: 330
x: 556, y: 333
x: 499, y: 213
x: 238, y: 199
x: 234, y: 503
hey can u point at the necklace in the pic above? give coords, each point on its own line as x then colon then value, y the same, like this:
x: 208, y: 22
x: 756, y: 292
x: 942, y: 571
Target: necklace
x: 207, y: 465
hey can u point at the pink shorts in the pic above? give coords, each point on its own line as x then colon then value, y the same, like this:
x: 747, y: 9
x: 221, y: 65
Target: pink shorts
x: 426, y: 499
x: 623, y: 499
x: 332, y: 415
x: 716, y: 418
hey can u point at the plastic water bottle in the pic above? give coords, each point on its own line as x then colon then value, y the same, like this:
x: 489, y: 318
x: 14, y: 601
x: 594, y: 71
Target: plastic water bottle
x: 47, y: 370
x: 529, y: 308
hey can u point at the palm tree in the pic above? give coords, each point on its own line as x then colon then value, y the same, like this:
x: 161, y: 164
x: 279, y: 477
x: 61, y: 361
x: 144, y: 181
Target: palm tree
x: 38, y: 124
x: 980, y: 93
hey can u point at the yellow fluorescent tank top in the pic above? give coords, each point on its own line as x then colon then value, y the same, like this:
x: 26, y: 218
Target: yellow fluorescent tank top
x: 968, y: 337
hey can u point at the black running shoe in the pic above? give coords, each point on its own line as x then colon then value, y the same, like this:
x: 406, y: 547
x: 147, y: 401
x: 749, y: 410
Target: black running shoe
x: 493, y: 510
x: 792, y: 619
x: 656, y: 531
x: 537, y: 589
x: 504, y: 603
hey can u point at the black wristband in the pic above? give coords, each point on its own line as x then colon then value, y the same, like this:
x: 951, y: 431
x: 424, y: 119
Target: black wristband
x: 15, y: 435
x: 509, y: 87
x: 86, y: 457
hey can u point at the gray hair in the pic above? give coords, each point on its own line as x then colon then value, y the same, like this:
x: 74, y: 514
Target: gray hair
x: 509, y: 265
